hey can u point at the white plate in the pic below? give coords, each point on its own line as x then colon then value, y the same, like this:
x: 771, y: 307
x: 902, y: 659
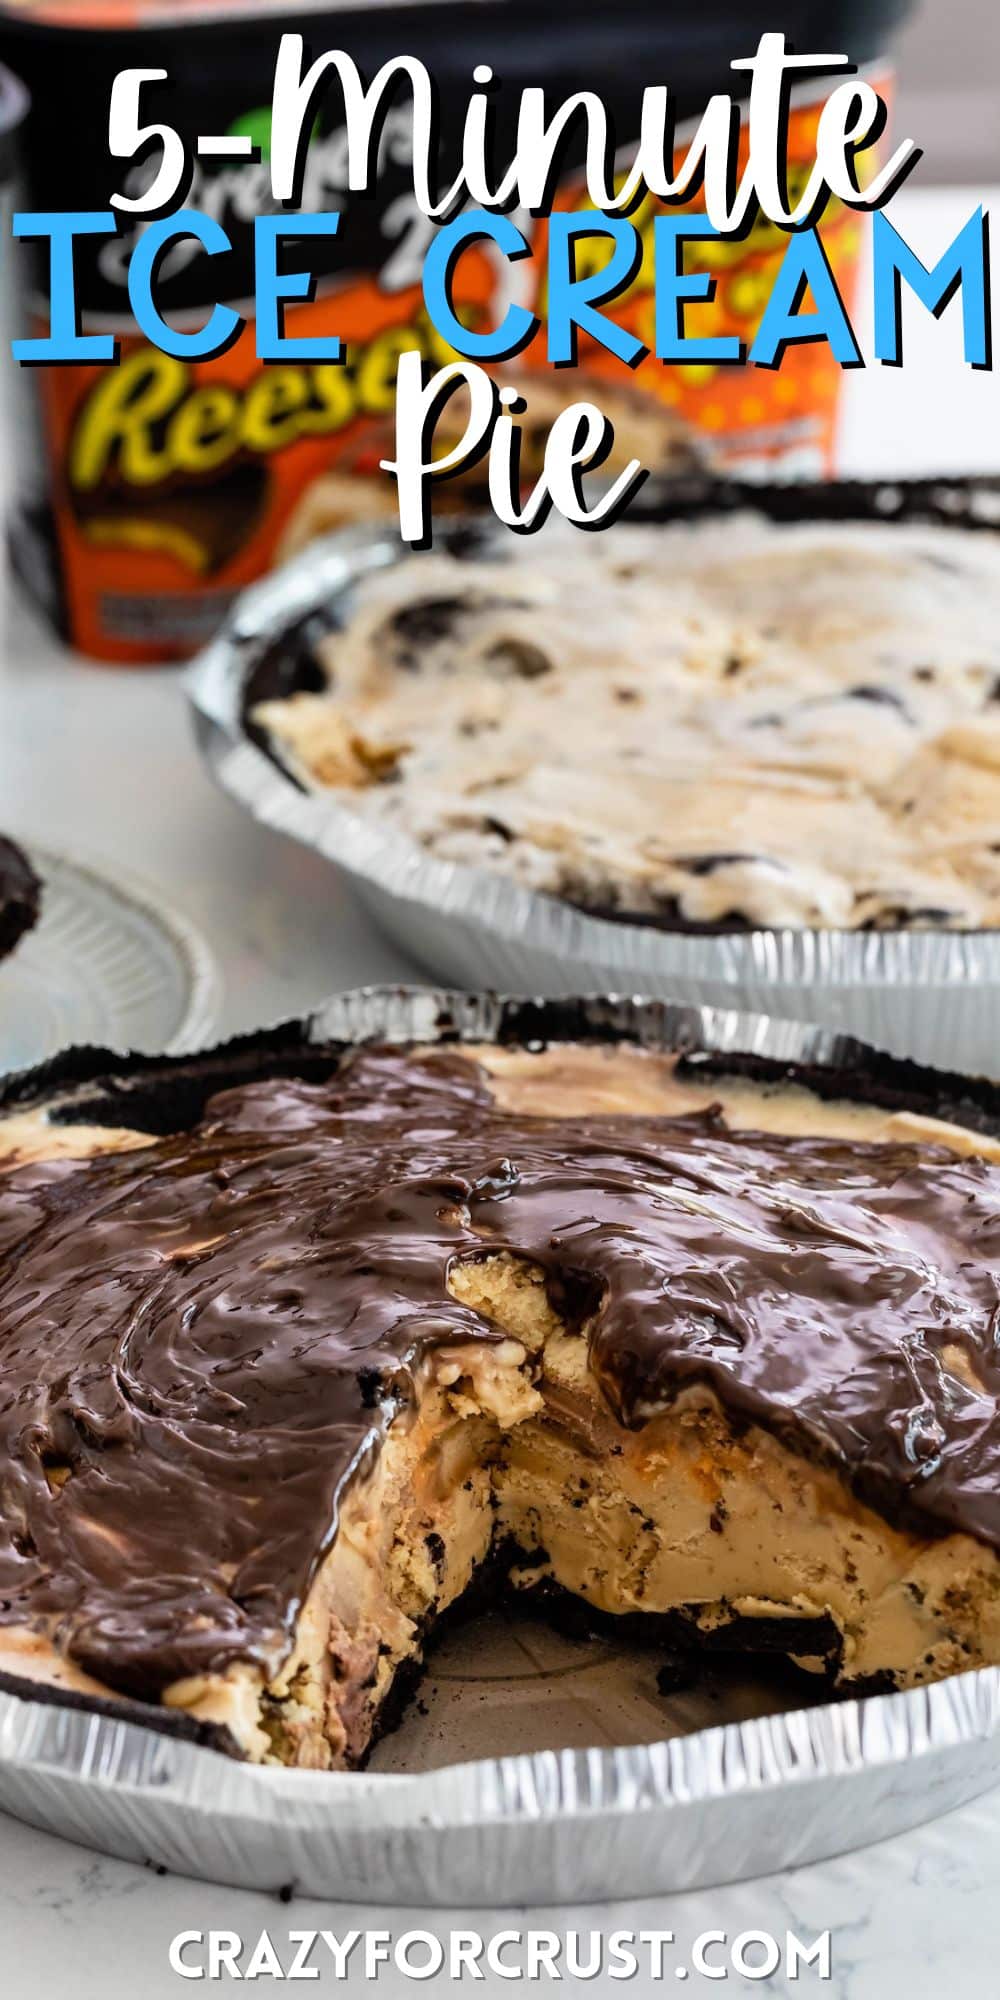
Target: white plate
x: 107, y: 963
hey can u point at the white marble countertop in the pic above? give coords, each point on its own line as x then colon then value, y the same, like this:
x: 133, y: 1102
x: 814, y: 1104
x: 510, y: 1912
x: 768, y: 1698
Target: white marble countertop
x: 102, y: 758
x: 916, y: 1918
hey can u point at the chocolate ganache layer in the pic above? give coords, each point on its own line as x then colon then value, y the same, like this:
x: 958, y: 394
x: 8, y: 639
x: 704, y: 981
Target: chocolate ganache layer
x: 20, y: 895
x: 207, y: 1339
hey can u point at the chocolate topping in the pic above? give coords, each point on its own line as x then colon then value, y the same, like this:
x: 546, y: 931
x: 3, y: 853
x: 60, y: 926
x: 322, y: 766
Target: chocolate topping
x: 20, y: 895
x: 203, y: 1341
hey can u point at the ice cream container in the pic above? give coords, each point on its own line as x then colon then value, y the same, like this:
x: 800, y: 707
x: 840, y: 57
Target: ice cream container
x: 160, y: 487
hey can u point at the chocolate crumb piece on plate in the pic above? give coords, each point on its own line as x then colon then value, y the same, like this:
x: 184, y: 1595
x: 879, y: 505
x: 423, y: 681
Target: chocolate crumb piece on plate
x: 20, y: 895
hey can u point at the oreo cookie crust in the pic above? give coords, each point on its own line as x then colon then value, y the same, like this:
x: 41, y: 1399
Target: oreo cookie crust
x: 20, y: 896
x: 709, y: 725
x: 288, y: 1370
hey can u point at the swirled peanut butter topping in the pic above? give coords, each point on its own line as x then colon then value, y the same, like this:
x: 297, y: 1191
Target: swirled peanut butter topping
x: 203, y: 1340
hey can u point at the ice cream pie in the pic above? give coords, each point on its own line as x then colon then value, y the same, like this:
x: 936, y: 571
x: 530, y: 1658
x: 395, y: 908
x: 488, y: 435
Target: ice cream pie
x: 296, y: 1348
x: 20, y: 896
x: 705, y: 726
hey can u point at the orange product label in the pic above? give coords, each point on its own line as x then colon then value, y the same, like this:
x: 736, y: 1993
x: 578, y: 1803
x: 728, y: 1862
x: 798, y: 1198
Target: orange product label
x: 176, y: 483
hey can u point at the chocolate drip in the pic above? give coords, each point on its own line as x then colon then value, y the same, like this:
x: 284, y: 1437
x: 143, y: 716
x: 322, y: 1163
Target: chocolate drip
x: 203, y: 1341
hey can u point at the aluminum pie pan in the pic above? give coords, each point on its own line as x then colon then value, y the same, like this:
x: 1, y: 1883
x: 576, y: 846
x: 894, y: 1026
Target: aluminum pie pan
x: 931, y: 995
x: 738, y: 1799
